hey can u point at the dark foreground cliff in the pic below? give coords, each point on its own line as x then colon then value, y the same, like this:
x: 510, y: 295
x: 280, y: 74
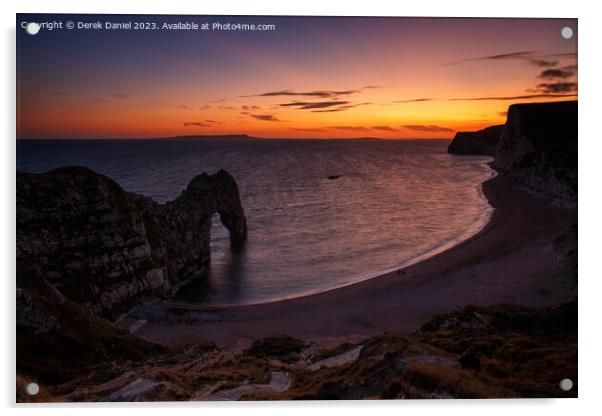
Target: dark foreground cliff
x: 504, y: 351
x: 82, y: 238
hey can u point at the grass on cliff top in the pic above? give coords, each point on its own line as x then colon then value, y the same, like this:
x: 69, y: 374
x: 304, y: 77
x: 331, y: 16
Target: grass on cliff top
x: 524, y: 352
x: 281, y: 347
x: 80, y: 343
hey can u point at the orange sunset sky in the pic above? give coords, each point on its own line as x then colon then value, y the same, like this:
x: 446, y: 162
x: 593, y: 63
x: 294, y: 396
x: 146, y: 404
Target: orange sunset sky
x: 310, y: 77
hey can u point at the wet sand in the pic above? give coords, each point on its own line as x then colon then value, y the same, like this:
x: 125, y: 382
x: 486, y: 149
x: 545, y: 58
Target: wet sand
x: 510, y: 261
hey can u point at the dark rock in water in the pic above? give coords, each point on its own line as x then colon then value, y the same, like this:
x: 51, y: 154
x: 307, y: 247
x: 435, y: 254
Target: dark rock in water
x: 482, y: 142
x: 332, y: 177
x: 539, y: 149
x: 81, y: 236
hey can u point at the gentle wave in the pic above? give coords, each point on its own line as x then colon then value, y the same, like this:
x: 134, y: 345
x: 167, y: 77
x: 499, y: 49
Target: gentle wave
x: 394, y: 204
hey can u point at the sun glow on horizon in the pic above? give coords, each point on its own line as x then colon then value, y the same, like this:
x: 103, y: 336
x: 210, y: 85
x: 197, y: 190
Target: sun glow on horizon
x: 317, y: 78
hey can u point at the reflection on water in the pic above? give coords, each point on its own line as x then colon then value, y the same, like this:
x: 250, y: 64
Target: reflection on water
x: 321, y: 214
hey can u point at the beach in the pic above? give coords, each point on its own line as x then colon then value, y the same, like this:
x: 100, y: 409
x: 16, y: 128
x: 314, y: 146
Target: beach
x: 510, y: 261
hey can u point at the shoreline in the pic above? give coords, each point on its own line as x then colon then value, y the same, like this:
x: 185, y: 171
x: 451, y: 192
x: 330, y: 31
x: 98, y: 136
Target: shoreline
x: 482, y: 224
x: 508, y: 261
x: 442, y: 248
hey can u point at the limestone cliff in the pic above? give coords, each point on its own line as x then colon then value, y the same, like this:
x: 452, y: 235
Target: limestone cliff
x: 82, y: 237
x: 482, y: 142
x: 538, y: 149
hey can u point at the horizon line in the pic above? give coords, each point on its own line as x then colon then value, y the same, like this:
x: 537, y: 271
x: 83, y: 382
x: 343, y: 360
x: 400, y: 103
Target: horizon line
x: 218, y: 136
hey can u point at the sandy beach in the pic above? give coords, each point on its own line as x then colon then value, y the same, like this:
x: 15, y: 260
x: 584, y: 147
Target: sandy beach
x: 510, y: 261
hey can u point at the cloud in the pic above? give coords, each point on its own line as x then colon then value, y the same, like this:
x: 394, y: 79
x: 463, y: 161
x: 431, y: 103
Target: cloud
x: 515, y: 97
x: 555, y: 88
x: 307, y: 105
x: 226, y: 107
x: 331, y: 102
x: 250, y: 107
x: 427, y: 128
x: 204, y: 123
x: 563, y: 55
x: 353, y: 128
x: 383, y: 128
x: 412, y: 100
x: 511, y: 55
x: 543, y: 63
x: 558, y: 73
x: 305, y: 129
x: 531, y: 57
x: 197, y: 124
x: 265, y: 117
x: 334, y: 110
x: 314, y: 94
x: 340, y: 108
x: 323, y: 106
x: 498, y: 57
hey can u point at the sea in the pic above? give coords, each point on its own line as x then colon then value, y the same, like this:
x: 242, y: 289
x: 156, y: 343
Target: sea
x: 322, y: 214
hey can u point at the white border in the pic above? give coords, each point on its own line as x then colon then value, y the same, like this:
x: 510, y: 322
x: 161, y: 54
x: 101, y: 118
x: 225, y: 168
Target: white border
x: 590, y: 152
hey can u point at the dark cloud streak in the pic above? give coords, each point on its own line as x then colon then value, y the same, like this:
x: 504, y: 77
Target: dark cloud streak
x: 427, y: 128
x: 352, y: 128
x: 310, y: 105
x: 384, y: 128
x: 265, y: 117
x: 558, y: 73
x: 555, y: 87
x: 413, y: 100
x: 314, y: 94
x: 515, y: 97
x: 532, y: 57
x: 197, y: 124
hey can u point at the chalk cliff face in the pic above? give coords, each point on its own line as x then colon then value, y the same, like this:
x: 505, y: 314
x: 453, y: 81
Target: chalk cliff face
x: 82, y: 237
x: 538, y: 148
x: 482, y: 142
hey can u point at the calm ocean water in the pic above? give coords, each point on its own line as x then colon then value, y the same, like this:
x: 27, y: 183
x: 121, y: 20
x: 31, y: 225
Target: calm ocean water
x: 395, y: 203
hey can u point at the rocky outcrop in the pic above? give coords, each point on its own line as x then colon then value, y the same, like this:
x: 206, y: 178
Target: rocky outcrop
x: 538, y: 149
x: 482, y: 142
x: 81, y: 236
x: 31, y: 316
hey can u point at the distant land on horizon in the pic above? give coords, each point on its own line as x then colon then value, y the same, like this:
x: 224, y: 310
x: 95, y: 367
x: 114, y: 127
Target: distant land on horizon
x: 232, y: 137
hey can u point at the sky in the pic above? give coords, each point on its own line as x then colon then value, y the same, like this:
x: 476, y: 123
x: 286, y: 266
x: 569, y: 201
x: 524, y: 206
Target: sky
x: 310, y: 77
